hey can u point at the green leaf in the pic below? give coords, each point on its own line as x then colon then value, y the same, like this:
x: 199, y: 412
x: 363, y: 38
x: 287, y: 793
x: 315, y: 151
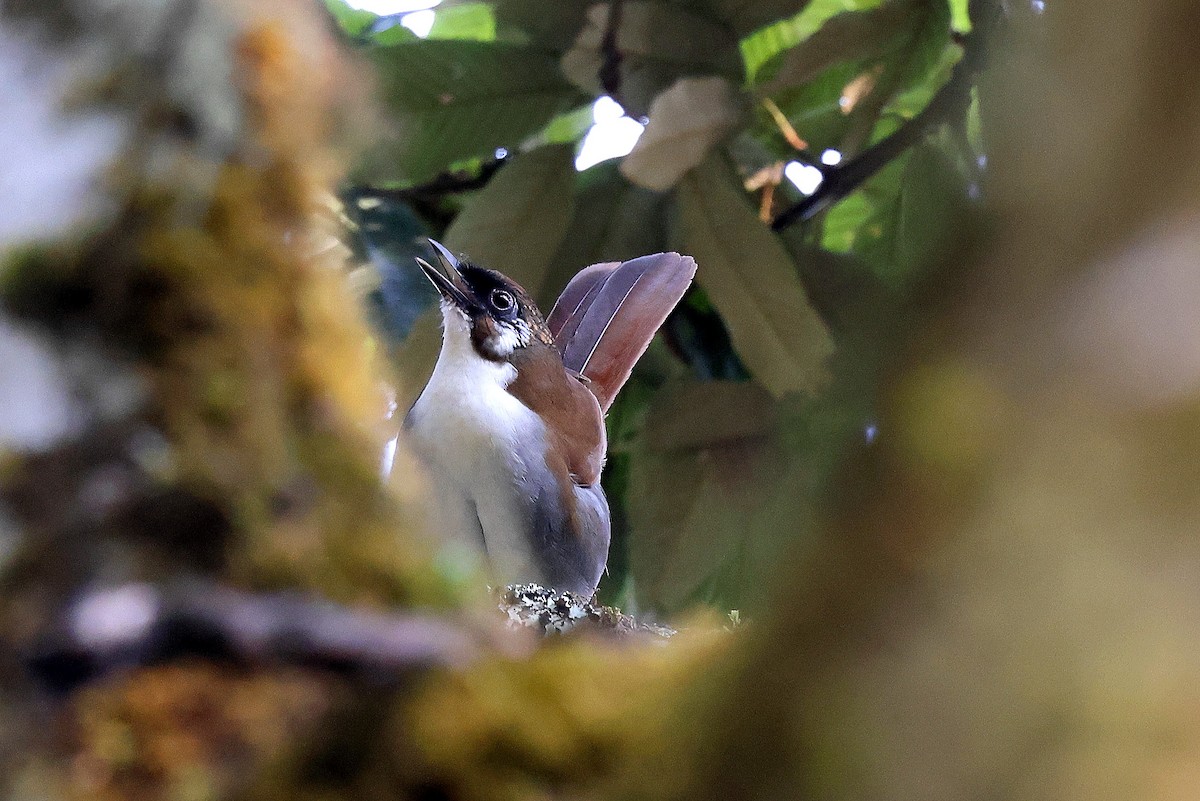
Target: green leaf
x: 929, y: 209
x: 353, y: 21
x: 468, y: 21
x: 552, y: 26
x: 703, y: 415
x: 844, y: 220
x: 747, y: 16
x: 712, y: 496
x: 658, y: 43
x: 961, y: 15
x: 567, y: 127
x: 902, y: 47
x: 516, y: 223
x: 686, y: 122
x: 904, y: 218
x: 452, y: 100
x: 916, y: 97
x: 860, y: 36
x: 613, y: 221
x: 814, y: 110
x: 752, y: 282
x: 856, y: 224
x: 393, y: 33
x: 926, y: 44
x: 764, y: 44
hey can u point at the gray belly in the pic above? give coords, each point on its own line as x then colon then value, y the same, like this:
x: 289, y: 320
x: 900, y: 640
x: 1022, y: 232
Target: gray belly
x: 499, y: 497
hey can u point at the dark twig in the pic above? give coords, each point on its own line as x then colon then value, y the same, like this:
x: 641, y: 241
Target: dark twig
x: 610, y: 66
x: 139, y: 624
x: 949, y: 103
x: 447, y: 183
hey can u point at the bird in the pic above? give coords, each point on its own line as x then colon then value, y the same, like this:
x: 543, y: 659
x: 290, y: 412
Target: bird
x: 510, y: 424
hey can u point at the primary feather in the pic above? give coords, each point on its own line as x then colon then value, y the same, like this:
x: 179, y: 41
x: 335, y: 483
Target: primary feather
x: 605, y: 318
x: 575, y: 299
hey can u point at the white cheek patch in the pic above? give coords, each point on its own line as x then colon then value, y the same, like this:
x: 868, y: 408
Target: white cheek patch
x: 508, y: 337
x: 500, y: 345
x: 504, y: 341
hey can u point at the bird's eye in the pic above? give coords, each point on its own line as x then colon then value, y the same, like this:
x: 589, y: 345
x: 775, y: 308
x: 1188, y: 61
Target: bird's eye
x: 503, y: 301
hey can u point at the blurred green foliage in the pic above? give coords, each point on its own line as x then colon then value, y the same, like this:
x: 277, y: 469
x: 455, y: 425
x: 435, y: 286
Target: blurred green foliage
x: 727, y: 433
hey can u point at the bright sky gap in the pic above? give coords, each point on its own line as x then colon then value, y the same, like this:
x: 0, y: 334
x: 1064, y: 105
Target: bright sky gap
x: 612, y: 135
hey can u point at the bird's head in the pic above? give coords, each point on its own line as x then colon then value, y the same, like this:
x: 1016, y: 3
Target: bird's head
x: 490, y: 308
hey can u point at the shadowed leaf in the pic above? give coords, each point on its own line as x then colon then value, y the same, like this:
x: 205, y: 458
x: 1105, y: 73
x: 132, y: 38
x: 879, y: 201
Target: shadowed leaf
x: 456, y: 100
x: 747, y: 16
x: 712, y: 496
x: 872, y: 35
x: 613, y: 221
x: 658, y: 43
x: 702, y: 415
x: 516, y: 223
x: 752, y: 282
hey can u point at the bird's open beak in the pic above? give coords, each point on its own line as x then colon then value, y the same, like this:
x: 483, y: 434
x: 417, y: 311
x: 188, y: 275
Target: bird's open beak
x: 453, y: 289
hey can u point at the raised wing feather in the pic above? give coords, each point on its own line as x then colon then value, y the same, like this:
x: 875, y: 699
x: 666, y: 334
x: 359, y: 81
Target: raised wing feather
x: 616, y: 313
x: 574, y: 301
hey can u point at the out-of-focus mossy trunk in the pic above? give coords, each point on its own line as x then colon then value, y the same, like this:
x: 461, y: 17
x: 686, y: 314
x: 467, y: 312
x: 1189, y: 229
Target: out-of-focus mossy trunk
x: 253, y: 410
x: 225, y: 413
x: 1006, y: 602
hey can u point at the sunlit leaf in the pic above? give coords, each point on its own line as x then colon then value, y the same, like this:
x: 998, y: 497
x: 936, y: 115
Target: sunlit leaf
x: 567, y: 127
x: 961, y: 16
x: 762, y: 45
x: 686, y: 122
x: 855, y: 223
x: 452, y: 100
x: 516, y: 223
x: 388, y: 30
x: 912, y: 100
x: 859, y: 36
x: 752, y: 281
x: 843, y: 221
x: 354, y: 21
x: 474, y: 21
x: 895, y: 48
x: 814, y: 110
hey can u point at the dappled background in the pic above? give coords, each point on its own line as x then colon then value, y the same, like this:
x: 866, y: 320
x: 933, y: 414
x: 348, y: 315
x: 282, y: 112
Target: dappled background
x: 912, y: 469
x: 504, y: 134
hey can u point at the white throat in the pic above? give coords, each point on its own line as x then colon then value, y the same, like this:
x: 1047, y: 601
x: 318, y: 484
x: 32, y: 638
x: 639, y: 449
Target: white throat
x: 476, y: 439
x: 458, y: 358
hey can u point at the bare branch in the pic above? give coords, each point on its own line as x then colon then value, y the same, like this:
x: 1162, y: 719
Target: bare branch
x: 447, y: 183
x: 139, y: 624
x: 949, y: 104
x: 610, y: 67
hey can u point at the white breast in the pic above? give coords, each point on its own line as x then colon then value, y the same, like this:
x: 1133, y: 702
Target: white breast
x: 475, y: 437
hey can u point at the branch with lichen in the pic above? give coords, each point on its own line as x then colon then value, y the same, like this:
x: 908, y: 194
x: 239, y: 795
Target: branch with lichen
x: 135, y: 625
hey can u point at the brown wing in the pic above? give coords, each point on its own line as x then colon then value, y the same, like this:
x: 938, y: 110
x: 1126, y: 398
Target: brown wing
x: 574, y: 301
x: 574, y: 423
x: 618, y: 311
